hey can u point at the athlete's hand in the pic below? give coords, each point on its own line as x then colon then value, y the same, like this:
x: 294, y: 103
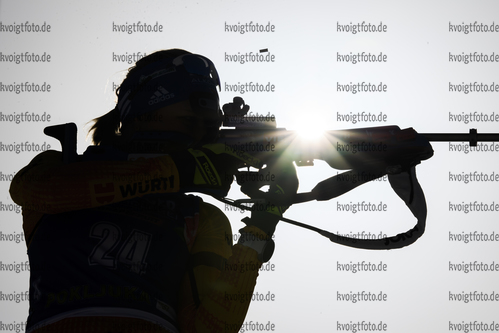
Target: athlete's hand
x: 211, y: 168
x: 283, y: 184
x: 408, y: 151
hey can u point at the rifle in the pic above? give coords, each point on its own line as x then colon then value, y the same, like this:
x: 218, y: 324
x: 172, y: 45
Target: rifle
x: 367, y: 154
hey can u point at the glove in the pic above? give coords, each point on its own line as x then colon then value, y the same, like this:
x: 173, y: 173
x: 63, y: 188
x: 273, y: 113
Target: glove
x: 408, y: 152
x: 211, y: 168
x: 283, y: 181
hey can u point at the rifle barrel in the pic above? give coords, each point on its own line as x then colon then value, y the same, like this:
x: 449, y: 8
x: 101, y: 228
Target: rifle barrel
x: 472, y: 137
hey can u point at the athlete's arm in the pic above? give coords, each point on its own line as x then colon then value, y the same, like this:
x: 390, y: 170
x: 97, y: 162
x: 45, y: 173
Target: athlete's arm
x: 224, y: 277
x: 47, y: 185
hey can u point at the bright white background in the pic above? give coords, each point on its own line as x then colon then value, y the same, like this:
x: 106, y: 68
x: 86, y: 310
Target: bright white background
x: 305, y: 281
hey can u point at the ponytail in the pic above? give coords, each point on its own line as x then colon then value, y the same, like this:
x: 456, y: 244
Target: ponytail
x: 106, y: 128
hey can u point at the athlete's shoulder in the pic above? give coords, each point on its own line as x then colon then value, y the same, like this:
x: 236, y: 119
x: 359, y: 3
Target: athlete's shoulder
x: 39, y: 163
x: 47, y: 157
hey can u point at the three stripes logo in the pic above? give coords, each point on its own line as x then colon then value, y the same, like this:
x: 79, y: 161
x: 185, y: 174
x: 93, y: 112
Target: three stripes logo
x: 160, y: 95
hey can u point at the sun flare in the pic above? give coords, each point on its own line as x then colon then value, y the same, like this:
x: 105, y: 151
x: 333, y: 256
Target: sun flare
x: 310, y: 131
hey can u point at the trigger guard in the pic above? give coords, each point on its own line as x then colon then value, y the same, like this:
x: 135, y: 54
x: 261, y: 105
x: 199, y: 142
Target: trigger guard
x: 250, y: 183
x: 251, y: 187
x: 258, y: 196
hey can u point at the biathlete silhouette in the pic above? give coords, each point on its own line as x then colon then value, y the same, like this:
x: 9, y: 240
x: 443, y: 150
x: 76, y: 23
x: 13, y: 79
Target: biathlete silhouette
x: 114, y: 242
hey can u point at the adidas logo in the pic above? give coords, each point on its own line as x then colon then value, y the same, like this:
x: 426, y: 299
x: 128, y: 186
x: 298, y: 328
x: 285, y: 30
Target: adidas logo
x: 160, y: 95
